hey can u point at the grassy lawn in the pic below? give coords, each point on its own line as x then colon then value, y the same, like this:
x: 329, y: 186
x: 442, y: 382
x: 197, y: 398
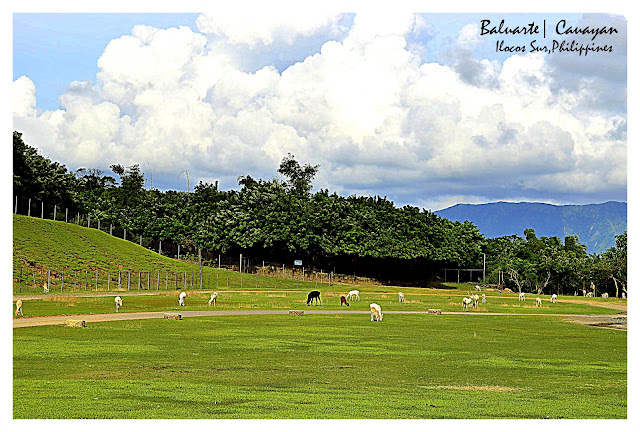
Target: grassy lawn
x: 321, y: 366
x: 417, y: 300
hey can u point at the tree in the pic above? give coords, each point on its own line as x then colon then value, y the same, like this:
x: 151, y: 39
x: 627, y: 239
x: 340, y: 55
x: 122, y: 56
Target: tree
x: 299, y: 178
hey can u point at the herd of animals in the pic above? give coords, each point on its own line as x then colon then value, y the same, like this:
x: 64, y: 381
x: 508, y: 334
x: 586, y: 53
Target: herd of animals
x: 376, y: 310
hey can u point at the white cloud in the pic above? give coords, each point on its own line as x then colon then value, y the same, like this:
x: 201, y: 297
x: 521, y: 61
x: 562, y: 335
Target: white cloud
x: 364, y: 107
x: 469, y: 35
x: 264, y: 28
x: 24, y: 97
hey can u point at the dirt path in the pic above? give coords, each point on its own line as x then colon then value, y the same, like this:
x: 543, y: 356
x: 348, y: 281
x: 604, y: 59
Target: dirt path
x: 59, y: 320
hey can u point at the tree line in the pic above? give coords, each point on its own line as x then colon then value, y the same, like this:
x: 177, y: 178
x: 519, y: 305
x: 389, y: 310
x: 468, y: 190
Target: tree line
x: 284, y: 220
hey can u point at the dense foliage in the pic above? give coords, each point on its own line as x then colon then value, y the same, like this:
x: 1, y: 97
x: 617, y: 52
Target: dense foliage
x: 282, y: 220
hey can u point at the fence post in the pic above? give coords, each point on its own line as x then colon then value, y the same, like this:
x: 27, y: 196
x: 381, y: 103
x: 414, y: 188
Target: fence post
x: 42, y: 211
x: 124, y: 236
x: 110, y: 229
x: 34, y: 281
x: 15, y: 209
x: 184, y: 280
x: 178, y: 251
x: 119, y: 279
x: 29, y: 209
x: 140, y: 239
x: 149, y: 280
x: 98, y: 223
x: 78, y: 219
x: 88, y: 221
x: 96, y: 279
x: 49, y: 278
x: 219, y: 261
x: 160, y: 248
x: 66, y: 215
x: 138, y: 280
x: 128, y: 280
x: 55, y: 208
x: 240, y: 266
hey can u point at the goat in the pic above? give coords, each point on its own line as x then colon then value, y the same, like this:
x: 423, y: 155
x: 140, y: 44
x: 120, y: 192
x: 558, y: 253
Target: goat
x: 478, y: 288
x: 624, y: 296
x: 376, y: 312
x: 484, y: 299
x: 343, y: 300
x: 605, y: 295
x: 314, y: 295
x: 554, y: 298
x: 589, y: 294
x: 466, y: 301
x: 521, y: 296
x: 45, y: 288
x: 538, y: 302
x: 213, y: 299
x: 118, y: 301
x: 19, y: 308
x: 475, y: 299
x: 181, y: 298
x: 352, y: 294
x: 401, y: 297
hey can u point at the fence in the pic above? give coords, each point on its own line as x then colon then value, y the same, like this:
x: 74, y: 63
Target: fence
x: 171, y: 249
x: 37, y: 279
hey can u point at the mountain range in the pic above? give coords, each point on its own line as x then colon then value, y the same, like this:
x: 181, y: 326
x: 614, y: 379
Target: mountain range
x: 595, y: 224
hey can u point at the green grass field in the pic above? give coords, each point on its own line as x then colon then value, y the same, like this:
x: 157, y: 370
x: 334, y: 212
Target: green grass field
x: 321, y: 366
x: 417, y: 300
x: 279, y: 366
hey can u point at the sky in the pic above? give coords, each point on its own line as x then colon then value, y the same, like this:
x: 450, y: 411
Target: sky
x: 419, y: 108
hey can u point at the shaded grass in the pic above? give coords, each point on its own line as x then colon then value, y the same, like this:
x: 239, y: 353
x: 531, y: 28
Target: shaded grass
x: 321, y: 366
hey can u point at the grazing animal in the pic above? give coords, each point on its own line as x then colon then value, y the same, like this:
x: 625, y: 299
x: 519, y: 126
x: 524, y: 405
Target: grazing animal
x: 538, y: 302
x: 554, y: 298
x: 624, y: 296
x: 343, y: 300
x: 478, y: 288
x: 45, y: 287
x: 584, y: 293
x: 466, y: 301
x: 521, y: 296
x: 181, y: 298
x: 213, y: 299
x: 589, y: 294
x: 401, y: 297
x: 118, y: 301
x: 352, y: 294
x: 605, y: 295
x: 19, y: 308
x: 376, y: 312
x: 475, y: 299
x: 484, y: 299
x: 314, y: 295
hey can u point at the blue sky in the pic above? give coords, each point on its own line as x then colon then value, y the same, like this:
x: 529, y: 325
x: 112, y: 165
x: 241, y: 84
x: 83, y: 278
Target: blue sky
x: 418, y: 108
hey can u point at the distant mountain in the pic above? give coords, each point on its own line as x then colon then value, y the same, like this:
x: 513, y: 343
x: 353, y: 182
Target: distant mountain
x: 595, y: 224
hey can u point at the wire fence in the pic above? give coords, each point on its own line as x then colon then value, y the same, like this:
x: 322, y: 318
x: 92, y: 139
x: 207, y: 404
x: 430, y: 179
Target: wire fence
x: 35, y: 279
x: 30, y: 277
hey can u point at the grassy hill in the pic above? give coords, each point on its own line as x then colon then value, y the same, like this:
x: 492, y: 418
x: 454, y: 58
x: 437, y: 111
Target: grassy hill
x: 74, y: 254
x: 595, y: 224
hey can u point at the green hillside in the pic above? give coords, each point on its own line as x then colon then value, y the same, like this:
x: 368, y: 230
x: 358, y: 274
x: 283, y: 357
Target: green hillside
x: 74, y: 254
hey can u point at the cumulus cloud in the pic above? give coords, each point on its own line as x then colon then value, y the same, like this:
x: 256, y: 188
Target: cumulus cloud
x: 24, y: 97
x: 364, y: 106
